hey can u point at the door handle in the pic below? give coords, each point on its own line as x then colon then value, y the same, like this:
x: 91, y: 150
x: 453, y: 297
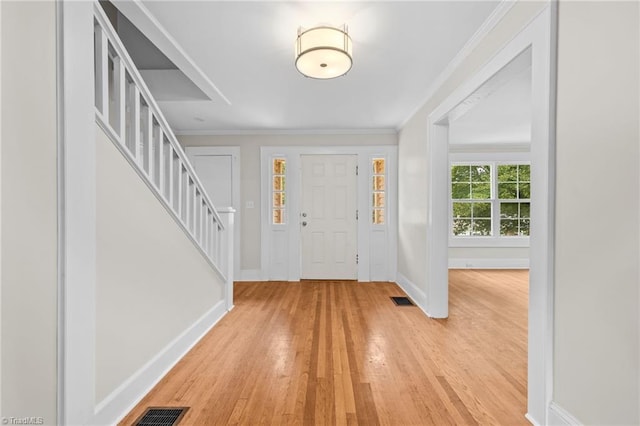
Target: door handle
x: 304, y: 223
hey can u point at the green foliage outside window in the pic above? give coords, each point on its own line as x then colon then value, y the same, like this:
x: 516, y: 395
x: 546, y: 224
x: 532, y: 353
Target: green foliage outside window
x: 472, y: 199
x: 514, y: 183
x: 470, y: 183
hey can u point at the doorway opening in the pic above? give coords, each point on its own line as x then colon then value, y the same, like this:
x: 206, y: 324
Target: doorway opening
x: 535, y: 38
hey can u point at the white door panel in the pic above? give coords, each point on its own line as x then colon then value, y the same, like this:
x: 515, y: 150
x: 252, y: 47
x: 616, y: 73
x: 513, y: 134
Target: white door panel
x: 328, y: 217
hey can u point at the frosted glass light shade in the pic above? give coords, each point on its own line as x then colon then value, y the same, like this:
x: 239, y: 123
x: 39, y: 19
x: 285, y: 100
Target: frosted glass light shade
x: 323, y: 52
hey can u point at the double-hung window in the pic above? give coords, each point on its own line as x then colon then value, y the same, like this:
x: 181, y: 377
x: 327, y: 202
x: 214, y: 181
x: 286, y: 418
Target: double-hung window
x: 490, y: 202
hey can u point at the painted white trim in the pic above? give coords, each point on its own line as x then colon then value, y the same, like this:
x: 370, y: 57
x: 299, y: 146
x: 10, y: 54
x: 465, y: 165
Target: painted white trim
x: 61, y: 252
x: 488, y: 242
x: 530, y: 420
x: 234, y: 152
x: 119, y: 402
x: 292, y: 154
x: 489, y: 24
x: 143, y: 19
x: 480, y: 263
x: 539, y: 36
x: 76, y: 333
x: 250, y: 275
x: 512, y: 148
x: 413, y: 291
x: 558, y: 416
x: 59, y: 141
x: 234, y: 132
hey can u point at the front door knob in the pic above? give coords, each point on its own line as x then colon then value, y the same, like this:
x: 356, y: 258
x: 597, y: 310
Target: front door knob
x: 304, y: 223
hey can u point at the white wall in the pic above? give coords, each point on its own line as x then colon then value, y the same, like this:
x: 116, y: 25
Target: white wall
x: 413, y: 142
x: 489, y: 257
x: 596, y: 300
x: 250, y: 219
x: 29, y: 205
x: 152, y: 282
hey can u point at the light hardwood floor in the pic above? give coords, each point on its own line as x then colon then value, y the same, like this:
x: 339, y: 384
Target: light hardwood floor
x: 333, y: 352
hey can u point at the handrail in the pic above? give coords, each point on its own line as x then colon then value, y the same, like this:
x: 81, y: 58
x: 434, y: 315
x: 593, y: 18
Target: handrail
x: 129, y: 114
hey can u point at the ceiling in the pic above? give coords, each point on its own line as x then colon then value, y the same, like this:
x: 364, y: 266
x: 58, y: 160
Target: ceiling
x: 242, y: 76
x: 502, y: 117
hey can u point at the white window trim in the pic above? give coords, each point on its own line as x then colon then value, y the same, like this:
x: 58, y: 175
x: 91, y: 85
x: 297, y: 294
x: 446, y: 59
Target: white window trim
x: 492, y: 159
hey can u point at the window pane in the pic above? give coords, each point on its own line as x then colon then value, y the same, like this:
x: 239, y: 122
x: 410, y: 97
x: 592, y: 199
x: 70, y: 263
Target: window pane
x: 509, y: 210
x: 378, y: 183
x: 460, y: 191
x: 481, y: 227
x: 462, y: 227
x: 507, y: 173
x: 482, y: 210
x: 278, y: 166
x: 508, y: 227
x: 461, y: 210
x: 480, y: 191
x: 460, y: 173
x: 525, y: 210
x: 378, y: 166
x: 378, y: 199
x: 524, y: 173
x: 278, y: 216
x: 278, y: 183
x: 524, y: 227
x: 508, y: 191
x: 278, y: 199
x: 378, y: 216
x: 480, y: 173
x: 525, y: 190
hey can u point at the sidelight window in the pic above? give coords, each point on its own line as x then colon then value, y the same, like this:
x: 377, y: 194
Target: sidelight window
x: 379, y: 190
x: 278, y: 191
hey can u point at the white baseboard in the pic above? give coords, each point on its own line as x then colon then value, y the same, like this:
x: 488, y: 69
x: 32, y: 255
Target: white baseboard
x: 558, y: 416
x: 461, y: 263
x: 122, y: 400
x: 250, y: 275
x: 413, y: 291
x: 531, y: 420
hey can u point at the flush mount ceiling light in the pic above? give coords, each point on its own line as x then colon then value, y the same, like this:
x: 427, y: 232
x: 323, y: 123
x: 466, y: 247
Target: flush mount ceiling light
x: 323, y: 52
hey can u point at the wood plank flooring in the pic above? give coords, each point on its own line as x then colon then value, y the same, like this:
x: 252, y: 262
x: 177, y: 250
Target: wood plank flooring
x: 341, y: 353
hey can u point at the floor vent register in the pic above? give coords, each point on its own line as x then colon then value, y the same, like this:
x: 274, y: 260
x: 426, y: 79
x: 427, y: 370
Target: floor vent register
x: 402, y: 301
x: 161, y: 416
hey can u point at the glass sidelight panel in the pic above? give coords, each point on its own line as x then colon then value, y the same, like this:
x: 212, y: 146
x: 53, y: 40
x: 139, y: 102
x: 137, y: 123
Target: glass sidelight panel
x: 378, y: 203
x: 278, y: 192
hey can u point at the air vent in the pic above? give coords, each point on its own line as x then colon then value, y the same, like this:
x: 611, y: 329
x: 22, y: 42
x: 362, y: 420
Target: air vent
x: 161, y: 416
x: 402, y: 301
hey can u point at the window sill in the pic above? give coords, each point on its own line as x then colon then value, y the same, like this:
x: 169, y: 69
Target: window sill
x: 489, y: 242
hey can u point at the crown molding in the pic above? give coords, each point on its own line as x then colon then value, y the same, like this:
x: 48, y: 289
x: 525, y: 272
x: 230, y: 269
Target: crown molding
x: 489, y: 24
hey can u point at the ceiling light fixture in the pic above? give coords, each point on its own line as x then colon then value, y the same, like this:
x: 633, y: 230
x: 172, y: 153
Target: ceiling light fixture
x: 323, y: 52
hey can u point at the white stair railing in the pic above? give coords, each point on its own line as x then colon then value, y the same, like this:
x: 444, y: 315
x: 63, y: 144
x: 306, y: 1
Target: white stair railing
x: 128, y: 113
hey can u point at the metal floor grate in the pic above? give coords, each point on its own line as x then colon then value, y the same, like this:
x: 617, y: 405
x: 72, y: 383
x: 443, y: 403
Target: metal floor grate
x: 161, y: 416
x: 402, y: 301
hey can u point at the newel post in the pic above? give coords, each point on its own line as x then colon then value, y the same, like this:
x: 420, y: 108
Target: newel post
x: 227, y: 215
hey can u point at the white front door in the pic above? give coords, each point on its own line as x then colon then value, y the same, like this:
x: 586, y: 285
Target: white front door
x: 328, y: 217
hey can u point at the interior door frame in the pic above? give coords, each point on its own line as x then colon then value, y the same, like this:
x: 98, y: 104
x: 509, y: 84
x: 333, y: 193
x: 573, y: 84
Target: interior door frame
x: 541, y: 36
x: 234, y: 153
x: 291, y: 231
